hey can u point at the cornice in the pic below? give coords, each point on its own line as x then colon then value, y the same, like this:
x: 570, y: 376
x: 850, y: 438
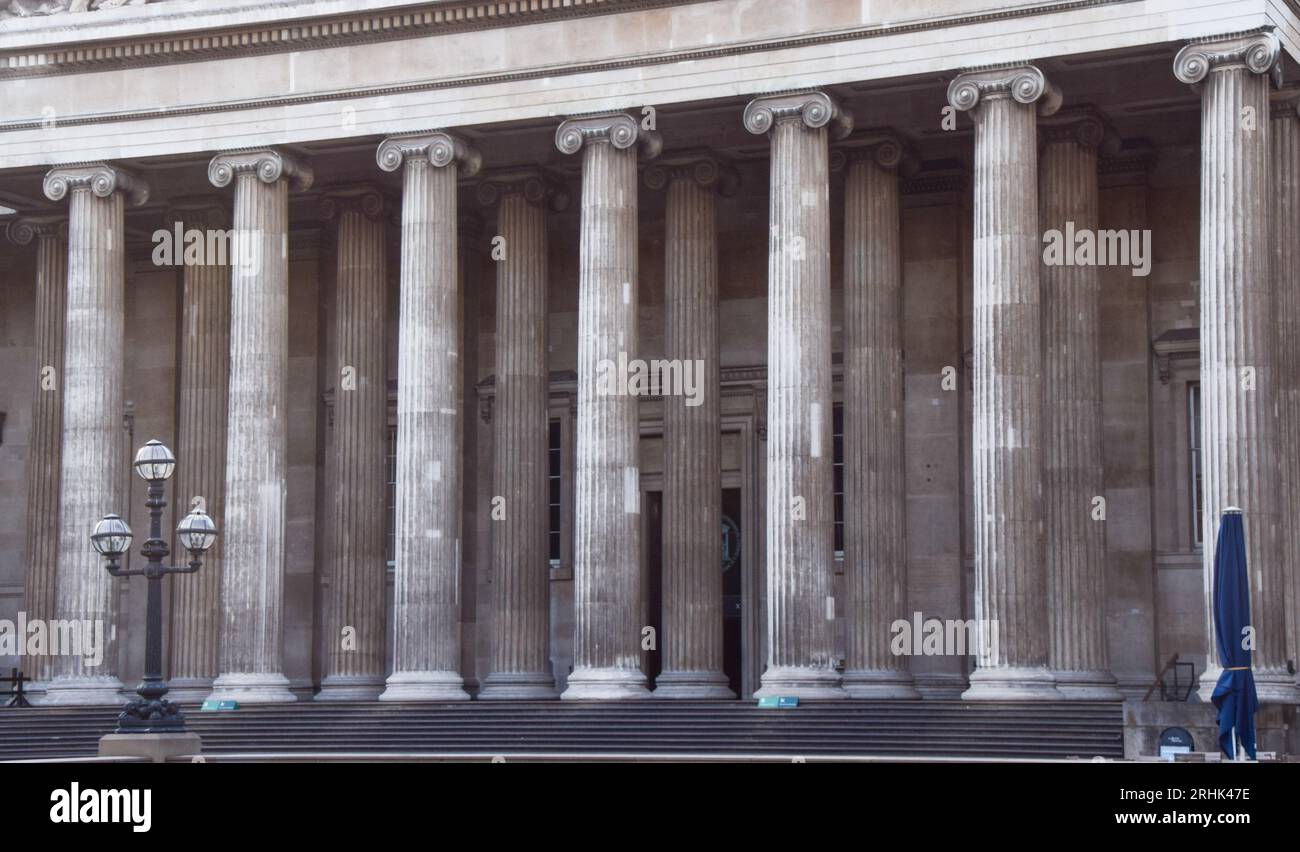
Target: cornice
x: 147, y: 50
x: 281, y: 35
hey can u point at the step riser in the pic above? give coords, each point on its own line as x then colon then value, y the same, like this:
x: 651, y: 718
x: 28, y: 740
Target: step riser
x: 909, y: 728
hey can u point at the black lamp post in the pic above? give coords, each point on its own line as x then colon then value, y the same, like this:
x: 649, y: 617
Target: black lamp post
x: 151, y: 713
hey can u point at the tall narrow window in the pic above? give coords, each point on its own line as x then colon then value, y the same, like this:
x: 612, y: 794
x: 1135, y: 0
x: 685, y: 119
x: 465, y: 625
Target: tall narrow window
x: 553, y: 470
x: 1194, y: 459
x: 390, y: 492
x: 838, y: 441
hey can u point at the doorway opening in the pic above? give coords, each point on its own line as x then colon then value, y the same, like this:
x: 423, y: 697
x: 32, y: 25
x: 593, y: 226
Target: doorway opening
x: 731, y: 567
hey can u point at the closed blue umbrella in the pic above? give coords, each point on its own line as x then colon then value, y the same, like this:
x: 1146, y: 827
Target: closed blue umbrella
x: 1234, y: 695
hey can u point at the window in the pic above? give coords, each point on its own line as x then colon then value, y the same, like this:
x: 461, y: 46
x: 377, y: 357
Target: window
x: 390, y: 490
x: 838, y: 441
x: 553, y: 483
x: 1195, y: 476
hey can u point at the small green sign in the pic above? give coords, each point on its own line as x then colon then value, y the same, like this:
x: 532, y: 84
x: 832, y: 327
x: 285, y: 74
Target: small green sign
x: 212, y: 704
x: 778, y: 702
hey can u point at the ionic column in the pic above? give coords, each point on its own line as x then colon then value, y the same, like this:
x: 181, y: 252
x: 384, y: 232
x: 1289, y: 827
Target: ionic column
x: 1284, y: 147
x: 92, y: 464
x: 1238, y: 380
x: 800, y: 507
x: 521, y: 666
x: 47, y: 423
x: 875, y: 488
x: 692, y: 498
x: 253, y: 543
x: 203, y: 402
x: 1007, y: 446
x: 426, y: 587
x: 1072, y: 448
x: 355, y: 666
x: 607, y: 493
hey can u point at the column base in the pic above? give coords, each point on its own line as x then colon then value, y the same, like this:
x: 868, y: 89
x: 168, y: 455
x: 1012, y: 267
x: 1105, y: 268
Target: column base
x: 424, y: 686
x: 252, y: 688
x: 1273, y: 686
x: 350, y: 688
x: 1011, y: 684
x: 880, y: 684
x: 1205, y: 686
x: 189, y: 690
x: 518, y: 686
x: 611, y: 684
x: 709, y: 685
x: 83, y: 691
x: 1087, y: 686
x: 803, y: 682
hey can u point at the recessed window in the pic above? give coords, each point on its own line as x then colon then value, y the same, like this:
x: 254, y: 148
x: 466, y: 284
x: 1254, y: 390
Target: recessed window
x: 1195, y: 477
x: 390, y: 498
x: 553, y: 482
x: 838, y: 441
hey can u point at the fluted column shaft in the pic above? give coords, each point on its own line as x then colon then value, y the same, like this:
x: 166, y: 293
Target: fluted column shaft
x: 800, y: 508
x: 355, y: 663
x: 47, y: 424
x: 92, y: 470
x: 1007, y: 447
x: 607, y: 491
x: 1238, y: 379
x: 875, y: 490
x: 1285, y: 240
x: 252, y: 579
x: 521, y: 666
x: 692, y: 499
x: 203, y: 401
x: 1072, y: 457
x: 426, y: 586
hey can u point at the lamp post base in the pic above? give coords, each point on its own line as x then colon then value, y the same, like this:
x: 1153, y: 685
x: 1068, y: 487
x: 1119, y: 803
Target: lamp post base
x: 151, y: 716
x: 156, y: 747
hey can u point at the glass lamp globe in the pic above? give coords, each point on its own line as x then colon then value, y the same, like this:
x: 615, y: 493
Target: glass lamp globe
x: 197, y: 532
x: 154, y: 462
x: 111, y: 537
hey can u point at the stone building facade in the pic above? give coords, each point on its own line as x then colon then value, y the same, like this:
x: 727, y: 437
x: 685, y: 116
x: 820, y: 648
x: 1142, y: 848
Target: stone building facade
x: 409, y: 391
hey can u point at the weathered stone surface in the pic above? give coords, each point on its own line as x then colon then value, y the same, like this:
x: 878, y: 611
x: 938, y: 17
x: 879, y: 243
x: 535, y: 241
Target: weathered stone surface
x: 1238, y: 332
x: 800, y: 509
x: 1007, y: 447
x: 355, y: 665
x: 92, y: 464
x: 521, y: 665
x: 426, y: 586
x: 607, y: 498
x: 875, y: 489
x: 1284, y: 215
x: 1072, y: 445
x: 254, y: 540
x: 47, y: 422
x: 692, y: 508
x: 202, y: 410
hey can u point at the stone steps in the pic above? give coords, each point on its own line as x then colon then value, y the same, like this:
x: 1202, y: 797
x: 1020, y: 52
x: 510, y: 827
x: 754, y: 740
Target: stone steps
x: 902, y: 728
